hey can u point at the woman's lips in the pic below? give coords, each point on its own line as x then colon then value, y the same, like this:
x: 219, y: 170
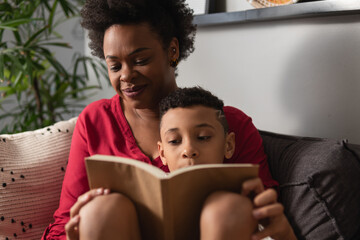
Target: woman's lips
x: 133, y: 91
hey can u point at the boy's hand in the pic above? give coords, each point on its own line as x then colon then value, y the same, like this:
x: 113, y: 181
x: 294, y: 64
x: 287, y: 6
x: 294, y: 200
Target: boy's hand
x: 72, y: 226
x: 268, y: 211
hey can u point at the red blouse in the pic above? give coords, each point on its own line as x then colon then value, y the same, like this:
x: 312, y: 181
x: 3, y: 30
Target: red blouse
x: 103, y: 129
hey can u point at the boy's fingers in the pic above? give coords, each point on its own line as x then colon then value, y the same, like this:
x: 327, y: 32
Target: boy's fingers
x: 278, y: 228
x: 252, y: 185
x: 269, y: 211
x: 269, y: 231
x: 265, y: 198
x: 72, y: 228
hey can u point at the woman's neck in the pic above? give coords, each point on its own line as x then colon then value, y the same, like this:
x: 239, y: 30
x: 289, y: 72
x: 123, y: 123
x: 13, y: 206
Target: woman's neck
x: 144, y: 124
x: 146, y: 114
x: 141, y: 114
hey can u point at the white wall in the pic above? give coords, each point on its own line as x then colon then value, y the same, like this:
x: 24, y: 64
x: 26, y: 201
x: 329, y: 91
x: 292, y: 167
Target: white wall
x: 299, y: 76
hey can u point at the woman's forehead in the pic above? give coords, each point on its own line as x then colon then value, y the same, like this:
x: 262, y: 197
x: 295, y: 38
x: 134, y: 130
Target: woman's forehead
x: 129, y: 35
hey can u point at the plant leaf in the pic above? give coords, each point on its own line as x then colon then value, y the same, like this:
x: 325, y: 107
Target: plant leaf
x: 67, y: 7
x: 17, y: 37
x: 17, y: 22
x: 58, y: 44
x: 35, y: 35
x: 52, y: 14
x: 5, y: 7
x: 2, y: 71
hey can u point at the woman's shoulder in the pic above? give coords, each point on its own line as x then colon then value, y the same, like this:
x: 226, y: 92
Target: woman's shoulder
x: 235, y: 114
x: 98, y: 105
x: 238, y: 121
x: 102, y: 115
x: 101, y: 107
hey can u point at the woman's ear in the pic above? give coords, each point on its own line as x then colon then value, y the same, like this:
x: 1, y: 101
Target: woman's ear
x: 161, y: 152
x: 173, y: 50
x: 229, y: 145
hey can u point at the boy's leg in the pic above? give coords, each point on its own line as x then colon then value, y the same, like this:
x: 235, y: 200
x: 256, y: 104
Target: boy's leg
x: 110, y: 216
x: 227, y: 215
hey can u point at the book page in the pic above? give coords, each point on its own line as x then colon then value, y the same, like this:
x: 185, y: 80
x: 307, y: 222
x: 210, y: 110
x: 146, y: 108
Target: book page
x: 188, y: 191
x: 139, y: 185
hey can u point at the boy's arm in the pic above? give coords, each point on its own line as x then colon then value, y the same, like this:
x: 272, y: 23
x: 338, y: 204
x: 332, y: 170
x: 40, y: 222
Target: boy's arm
x: 268, y: 211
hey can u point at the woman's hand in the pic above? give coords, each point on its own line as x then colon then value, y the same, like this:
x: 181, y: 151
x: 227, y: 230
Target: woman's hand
x: 72, y: 226
x: 268, y: 211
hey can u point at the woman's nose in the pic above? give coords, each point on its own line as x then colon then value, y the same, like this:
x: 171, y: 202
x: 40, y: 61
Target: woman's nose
x: 126, y: 74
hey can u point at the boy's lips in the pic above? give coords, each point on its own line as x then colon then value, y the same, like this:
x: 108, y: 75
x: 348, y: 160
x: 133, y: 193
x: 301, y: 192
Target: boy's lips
x: 133, y: 91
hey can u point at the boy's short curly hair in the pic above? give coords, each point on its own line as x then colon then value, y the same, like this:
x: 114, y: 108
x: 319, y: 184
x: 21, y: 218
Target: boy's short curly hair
x: 167, y: 18
x: 188, y: 97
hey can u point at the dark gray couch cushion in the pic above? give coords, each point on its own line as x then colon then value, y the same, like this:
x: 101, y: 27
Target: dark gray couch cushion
x: 319, y: 184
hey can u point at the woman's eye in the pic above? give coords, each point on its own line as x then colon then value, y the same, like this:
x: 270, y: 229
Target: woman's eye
x: 141, y: 61
x: 115, y: 68
x: 204, y: 138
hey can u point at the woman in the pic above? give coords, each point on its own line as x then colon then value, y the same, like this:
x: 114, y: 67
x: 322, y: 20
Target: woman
x: 142, y: 42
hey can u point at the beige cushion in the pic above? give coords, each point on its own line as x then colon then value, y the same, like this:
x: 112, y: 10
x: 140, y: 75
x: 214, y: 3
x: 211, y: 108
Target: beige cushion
x: 32, y: 167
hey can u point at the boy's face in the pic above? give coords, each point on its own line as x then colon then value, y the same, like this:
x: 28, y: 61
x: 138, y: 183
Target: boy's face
x: 193, y: 135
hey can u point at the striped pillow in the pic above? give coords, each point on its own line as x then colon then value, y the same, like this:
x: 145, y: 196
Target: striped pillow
x: 32, y: 167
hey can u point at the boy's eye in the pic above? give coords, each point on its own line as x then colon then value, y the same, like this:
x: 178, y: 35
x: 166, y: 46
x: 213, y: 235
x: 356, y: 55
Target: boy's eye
x: 174, y: 142
x: 204, y: 138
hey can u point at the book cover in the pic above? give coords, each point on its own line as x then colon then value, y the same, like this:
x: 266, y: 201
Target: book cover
x: 168, y: 204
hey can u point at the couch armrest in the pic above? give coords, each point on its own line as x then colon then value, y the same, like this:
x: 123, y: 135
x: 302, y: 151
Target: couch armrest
x: 319, y: 184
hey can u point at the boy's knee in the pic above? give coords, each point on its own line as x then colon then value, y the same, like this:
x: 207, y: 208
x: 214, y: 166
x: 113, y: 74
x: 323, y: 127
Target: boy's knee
x: 106, y: 213
x: 227, y: 210
x: 107, y: 204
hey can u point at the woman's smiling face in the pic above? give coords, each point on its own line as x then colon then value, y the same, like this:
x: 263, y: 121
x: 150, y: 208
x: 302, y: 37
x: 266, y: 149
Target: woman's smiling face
x: 138, y: 64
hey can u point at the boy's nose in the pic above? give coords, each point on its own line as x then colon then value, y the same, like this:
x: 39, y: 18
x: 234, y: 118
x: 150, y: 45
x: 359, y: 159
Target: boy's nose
x: 190, y: 152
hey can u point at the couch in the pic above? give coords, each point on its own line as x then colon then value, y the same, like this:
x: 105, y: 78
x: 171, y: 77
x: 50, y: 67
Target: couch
x: 319, y: 182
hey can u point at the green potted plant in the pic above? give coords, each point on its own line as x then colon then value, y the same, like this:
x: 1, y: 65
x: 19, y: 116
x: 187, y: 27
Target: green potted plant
x: 31, y: 76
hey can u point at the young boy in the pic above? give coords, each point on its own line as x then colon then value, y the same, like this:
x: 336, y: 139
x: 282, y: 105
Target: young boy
x: 194, y: 130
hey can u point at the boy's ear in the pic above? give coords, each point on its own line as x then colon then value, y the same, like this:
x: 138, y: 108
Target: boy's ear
x: 229, y: 145
x: 161, y: 152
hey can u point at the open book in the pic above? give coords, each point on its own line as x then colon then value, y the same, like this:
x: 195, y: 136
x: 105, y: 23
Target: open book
x: 168, y: 204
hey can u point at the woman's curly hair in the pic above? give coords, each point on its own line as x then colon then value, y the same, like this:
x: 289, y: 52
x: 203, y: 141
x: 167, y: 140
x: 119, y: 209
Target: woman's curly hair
x: 167, y: 18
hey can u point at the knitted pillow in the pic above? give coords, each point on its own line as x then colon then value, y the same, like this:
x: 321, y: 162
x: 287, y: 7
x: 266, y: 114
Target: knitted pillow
x: 319, y: 184
x: 32, y: 167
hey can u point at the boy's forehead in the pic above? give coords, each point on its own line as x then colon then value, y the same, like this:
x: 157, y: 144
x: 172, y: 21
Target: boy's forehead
x: 193, y: 113
x: 196, y: 110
